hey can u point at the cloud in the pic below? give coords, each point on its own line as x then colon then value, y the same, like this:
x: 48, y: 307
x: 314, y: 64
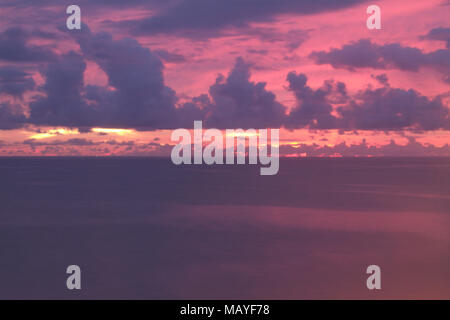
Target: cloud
x: 14, y: 81
x: 111, y: 147
x: 68, y: 142
x: 439, y: 34
x: 63, y: 103
x: 170, y: 57
x: 83, y: 147
x: 385, y: 108
x: 412, y: 149
x: 98, y: 4
x: 11, y: 116
x: 314, y: 107
x: 140, y: 98
x: 365, y: 54
x: 14, y: 47
x: 381, y: 78
x: 389, y: 108
x: 136, y: 97
x: 239, y: 103
x: 198, y: 18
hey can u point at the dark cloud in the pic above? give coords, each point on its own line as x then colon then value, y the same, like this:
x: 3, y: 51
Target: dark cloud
x: 138, y: 99
x: 63, y: 103
x: 204, y: 17
x: 381, y: 78
x: 439, y: 34
x: 261, y: 52
x: 88, y: 4
x: 14, y: 81
x: 393, y: 109
x: 117, y: 143
x: 412, y: 149
x: 69, y: 142
x: 239, y: 103
x: 11, y: 116
x: 14, y: 47
x: 44, y: 34
x: 384, y: 108
x: 141, y: 100
x: 170, y: 57
x: 77, y: 142
x: 313, y: 107
x: 361, y: 54
x: 365, y: 54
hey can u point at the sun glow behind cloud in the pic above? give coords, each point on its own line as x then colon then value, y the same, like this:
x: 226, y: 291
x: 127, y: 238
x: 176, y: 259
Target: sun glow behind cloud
x: 120, y: 132
x: 53, y: 132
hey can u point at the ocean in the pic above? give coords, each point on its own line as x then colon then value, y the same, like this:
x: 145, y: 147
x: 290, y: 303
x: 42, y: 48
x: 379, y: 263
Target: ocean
x: 143, y: 228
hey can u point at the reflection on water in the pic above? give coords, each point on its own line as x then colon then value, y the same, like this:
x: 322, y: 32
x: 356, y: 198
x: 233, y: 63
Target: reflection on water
x: 143, y: 228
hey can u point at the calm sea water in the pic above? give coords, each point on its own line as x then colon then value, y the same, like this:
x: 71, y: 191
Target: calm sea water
x: 144, y: 228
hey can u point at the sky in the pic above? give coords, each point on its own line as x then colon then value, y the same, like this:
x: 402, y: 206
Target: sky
x: 139, y: 69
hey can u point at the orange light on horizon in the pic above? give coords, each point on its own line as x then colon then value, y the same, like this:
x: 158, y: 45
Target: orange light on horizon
x: 52, y: 133
x: 120, y: 132
x: 241, y: 134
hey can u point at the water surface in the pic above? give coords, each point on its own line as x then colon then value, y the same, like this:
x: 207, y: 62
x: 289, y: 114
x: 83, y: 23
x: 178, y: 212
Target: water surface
x: 144, y: 228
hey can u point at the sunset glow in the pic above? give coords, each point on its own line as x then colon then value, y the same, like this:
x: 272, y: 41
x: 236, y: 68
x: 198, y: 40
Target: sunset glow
x: 321, y: 76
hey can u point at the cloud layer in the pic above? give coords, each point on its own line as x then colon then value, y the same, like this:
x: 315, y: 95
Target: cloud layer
x: 199, y: 18
x: 366, y: 54
x: 136, y: 95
